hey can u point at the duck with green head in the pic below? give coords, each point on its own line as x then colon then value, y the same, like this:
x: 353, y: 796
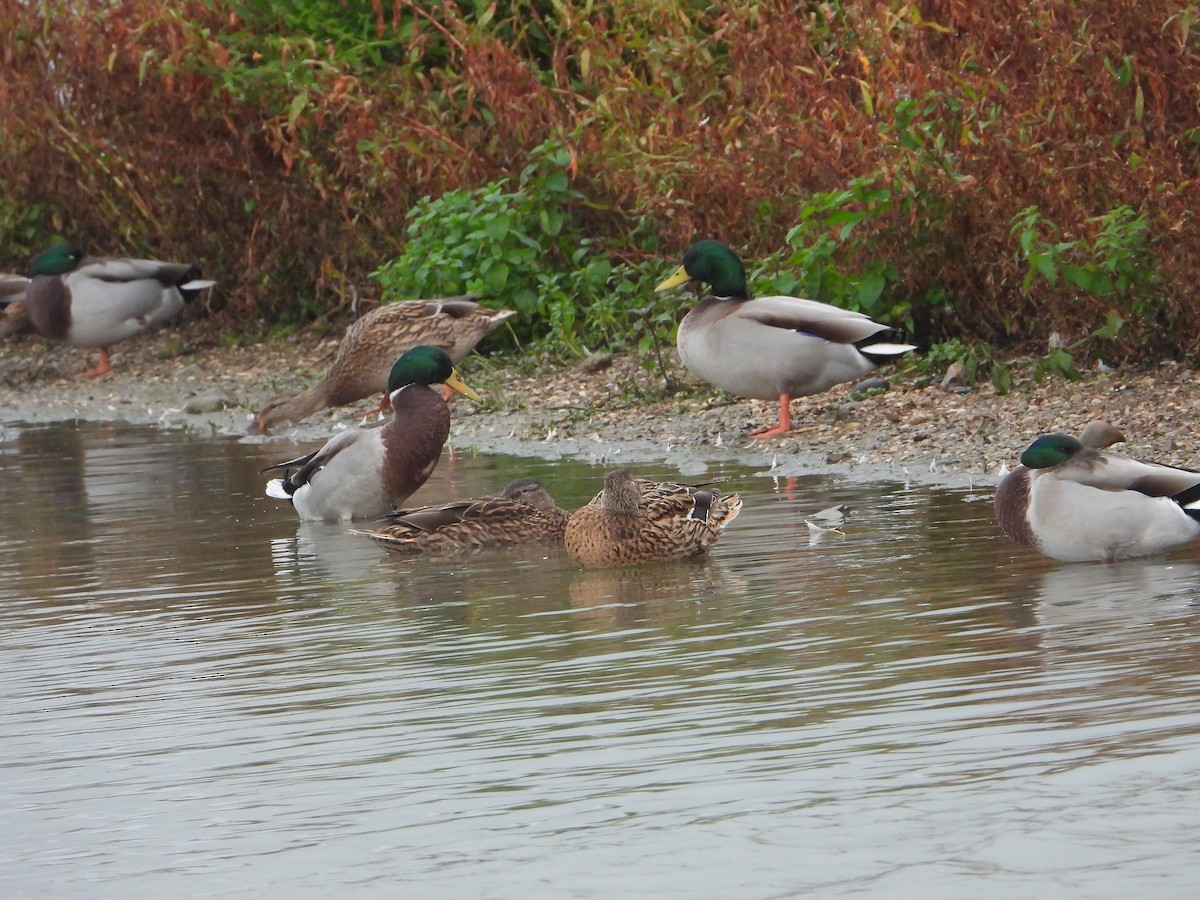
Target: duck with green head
x: 1072, y: 501
x: 94, y: 301
x: 367, y: 472
x: 771, y: 347
x: 524, y: 513
x: 635, y: 521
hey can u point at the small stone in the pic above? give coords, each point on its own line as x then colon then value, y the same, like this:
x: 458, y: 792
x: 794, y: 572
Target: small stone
x: 871, y: 384
x: 208, y: 402
x: 596, y: 362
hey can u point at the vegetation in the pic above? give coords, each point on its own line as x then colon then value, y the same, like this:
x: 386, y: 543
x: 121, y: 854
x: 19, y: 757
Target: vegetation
x: 976, y: 173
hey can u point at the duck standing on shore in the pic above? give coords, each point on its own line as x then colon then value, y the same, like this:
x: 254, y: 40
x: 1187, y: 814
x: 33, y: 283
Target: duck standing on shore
x: 771, y: 347
x: 98, y: 301
x: 364, y: 357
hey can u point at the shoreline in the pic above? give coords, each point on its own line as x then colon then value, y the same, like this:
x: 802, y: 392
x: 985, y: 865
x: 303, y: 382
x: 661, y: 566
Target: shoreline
x: 183, y: 378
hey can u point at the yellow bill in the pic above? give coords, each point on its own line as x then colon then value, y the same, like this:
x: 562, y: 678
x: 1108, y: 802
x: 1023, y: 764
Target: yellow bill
x: 679, y: 277
x: 459, y: 386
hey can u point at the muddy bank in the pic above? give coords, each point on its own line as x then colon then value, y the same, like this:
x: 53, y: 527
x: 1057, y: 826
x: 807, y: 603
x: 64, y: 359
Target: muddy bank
x: 187, y: 378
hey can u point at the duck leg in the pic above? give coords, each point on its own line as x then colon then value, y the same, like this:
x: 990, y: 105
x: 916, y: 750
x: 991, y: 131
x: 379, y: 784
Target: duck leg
x: 784, y: 425
x: 102, y: 369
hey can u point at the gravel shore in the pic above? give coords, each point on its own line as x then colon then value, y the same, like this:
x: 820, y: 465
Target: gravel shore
x: 613, y: 411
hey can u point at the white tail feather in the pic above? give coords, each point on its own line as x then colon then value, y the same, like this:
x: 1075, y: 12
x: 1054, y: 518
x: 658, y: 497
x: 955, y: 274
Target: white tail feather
x: 888, y: 349
x: 197, y: 284
x: 275, y: 489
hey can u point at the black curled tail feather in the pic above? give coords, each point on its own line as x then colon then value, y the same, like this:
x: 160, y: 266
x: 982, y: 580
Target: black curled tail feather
x: 1189, y: 501
x: 883, y: 346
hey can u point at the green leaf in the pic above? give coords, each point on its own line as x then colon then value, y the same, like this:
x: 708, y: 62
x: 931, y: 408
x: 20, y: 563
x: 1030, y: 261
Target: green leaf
x: 497, y: 228
x: 598, y: 271
x: 496, y: 276
x: 1046, y: 267
x: 298, y: 103
x: 870, y: 289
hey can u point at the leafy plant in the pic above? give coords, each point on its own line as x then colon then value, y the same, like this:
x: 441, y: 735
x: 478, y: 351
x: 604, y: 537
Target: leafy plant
x: 1118, y: 260
x: 523, y: 249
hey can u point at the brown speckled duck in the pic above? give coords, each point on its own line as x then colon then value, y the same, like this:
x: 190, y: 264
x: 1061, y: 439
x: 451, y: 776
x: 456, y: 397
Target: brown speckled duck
x: 524, y: 513
x: 370, y: 346
x: 635, y: 521
x: 367, y: 472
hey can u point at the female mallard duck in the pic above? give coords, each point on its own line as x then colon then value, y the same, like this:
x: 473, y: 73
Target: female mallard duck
x: 634, y: 521
x: 95, y: 301
x: 770, y: 347
x: 371, y: 345
x: 367, y: 472
x: 1074, y: 502
x: 524, y: 513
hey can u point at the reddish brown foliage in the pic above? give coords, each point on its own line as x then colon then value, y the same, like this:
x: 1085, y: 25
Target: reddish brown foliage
x: 120, y: 129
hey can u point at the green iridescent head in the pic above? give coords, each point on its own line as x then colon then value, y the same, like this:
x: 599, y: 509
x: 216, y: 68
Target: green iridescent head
x: 58, y: 260
x: 427, y: 365
x: 714, y: 264
x: 1050, y: 450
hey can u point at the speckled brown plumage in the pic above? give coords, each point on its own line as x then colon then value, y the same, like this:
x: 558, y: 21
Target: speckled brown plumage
x: 634, y: 521
x: 524, y: 513
x: 370, y: 346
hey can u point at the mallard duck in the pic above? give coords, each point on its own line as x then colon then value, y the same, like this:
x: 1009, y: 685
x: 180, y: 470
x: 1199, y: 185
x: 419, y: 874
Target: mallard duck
x: 1098, y: 434
x: 524, y: 513
x: 367, y: 472
x: 634, y: 521
x: 770, y: 347
x: 98, y: 301
x: 371, y: 345
x: 1074, y: 502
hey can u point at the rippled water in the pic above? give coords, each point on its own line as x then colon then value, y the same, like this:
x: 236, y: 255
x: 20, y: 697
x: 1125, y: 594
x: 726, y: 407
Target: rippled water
x: 202, y: 697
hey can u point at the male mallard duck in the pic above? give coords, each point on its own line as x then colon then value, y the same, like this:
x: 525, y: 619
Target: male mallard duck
x: 1074, y: 502
x: 367, y: 472
x: 371, y: 345
x: 634, y: 521
x: 770, y: 347
x: 97, y: 301
x: 524, y: 513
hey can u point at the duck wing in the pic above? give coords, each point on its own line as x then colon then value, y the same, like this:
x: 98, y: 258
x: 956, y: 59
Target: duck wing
x: 307, y: 466
x: 1110, y: 472
x: 830, y: 323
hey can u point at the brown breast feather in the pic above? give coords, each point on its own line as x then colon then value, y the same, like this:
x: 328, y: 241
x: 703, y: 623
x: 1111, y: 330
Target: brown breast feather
x: 48, y: 303
x: 413, y: 440
x: 1012, y: 500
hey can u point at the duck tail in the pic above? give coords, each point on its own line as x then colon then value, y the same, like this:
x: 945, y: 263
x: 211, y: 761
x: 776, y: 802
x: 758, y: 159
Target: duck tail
x: 191, y: 283
x: 712, y: 506
x: 280, y: 489
x: 1189, y: 501
x: 882, y: 351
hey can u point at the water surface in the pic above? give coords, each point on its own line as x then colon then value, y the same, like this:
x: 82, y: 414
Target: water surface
x: 202, y: 696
